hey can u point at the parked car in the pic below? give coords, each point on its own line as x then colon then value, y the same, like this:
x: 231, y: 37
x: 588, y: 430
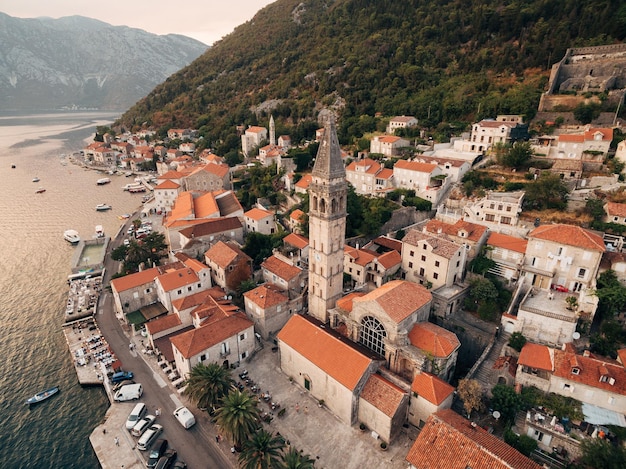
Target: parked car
x: 185, y: 417
x: 129, y: 392
x: 166, y: 460
x: 116, y: 386
x: 121, y: 376
x: 179, y: 465
x: 149, y: 436
x: 135, y: 415
x: 157, y: 450
x: 143, y: 425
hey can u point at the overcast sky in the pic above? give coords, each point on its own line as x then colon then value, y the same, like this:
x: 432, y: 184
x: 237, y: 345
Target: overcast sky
x: 204, y: 20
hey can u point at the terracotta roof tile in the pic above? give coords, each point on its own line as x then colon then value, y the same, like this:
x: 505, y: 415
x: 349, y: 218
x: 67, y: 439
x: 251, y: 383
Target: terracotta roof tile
x: 167, y: 184
x: 415, y: 166
x: 383, y: 394
x: 448, y: 441
x: 495, y: 124
x: 430, y: 387
x: 398, y: 298
x: 281, y: 268
x: 255, y: 129
x: 296, y: 215
x: 574, y: 138
x: 369, y: 166
x: 359, y: 256
x: 193, y: 342
x: 473, y: 232
x: 177, y: 279
x: 163, y: 323
x: 570, y: 235
x: 621, y: 356
x: 322, y: 349
x: 615, y: 210
x: 266, y: 296
x: 257, y: 214
x: 385, y: 173
x: 224, y: 253
x: 433, y: 339
x: 211, y: 226
x: 345, y: 302
x: 607, y: 133
x: 440, y: 245
x: 591, y: 369
x: 507, y: 242
x: 296, y: 240
x: 536, y: 356
x: 390, y: 259
x: 389, y: 243
x: 197, y: 298
x: 134, y: 280
x: 304, y: 181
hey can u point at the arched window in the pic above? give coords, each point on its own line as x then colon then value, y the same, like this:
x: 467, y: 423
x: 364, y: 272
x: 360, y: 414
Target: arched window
x: 314, y: 202
x: 333, y: 206
x: 373, y: 335
x: 323, y: 205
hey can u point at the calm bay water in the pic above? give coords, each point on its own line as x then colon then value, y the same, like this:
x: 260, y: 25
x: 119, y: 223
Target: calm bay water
x: 34, y: 264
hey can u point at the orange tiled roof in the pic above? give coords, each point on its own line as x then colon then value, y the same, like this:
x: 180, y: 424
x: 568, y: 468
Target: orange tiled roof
x: 280, y: 268
x: 205, y: 206
x: 360, y: 256
x: 570, y: 235
x: 607, y: 133
x: 433, y: 339
x: 390, y: 259
x: 371, y: 166
x: 196, y: 341
x: 345, y: 302
x: 591, y: 369
x: 135, y: 280
x: 398, y: 298
x: 385, y: 173
x: 473, y: 230
x: 536, y: 356
x: 167, y: 184
x: 415, y: 166
x: 266, y: 296
x: 304, y: 181
x: 382, y: 394
x: 296, y: 240
x: 223, y: 253
x: 574, y: 138
x: 389, y: 139
x: 197, y: 298
x: 615, y: 210
x: 195, y: 264
x: 297, y: 215
x: 177, y: 279
x: 430, y: 387
x: 621, y: 356
x: 163, y: 323
x: 507, y: 242
x: 211, y: 226
x: 440, y: 245
x: 257, y: 214
x: 450, y: 441
x: 323, y: 349
x: 255, y: 129
x: 495, y: 124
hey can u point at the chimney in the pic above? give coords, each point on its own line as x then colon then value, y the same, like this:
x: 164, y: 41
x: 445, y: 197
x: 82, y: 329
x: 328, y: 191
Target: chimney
x: 586, y: 353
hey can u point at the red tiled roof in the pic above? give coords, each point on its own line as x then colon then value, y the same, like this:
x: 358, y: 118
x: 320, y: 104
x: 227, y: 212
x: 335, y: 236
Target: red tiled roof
x: 591, y: 369
x: 177, y: 279
x: 211, y: 226
x: 449, y: 441
x: 371, y: 166
x: 474, y: 232
x: 430, y: 387
x: 389, y: 243
x: 536, y: 356
x: 570, y: 235
x: 255, y: 129
x: 137, y: 279
x: 433, y: 339
x: 385, y: 173
x: 197, y: 298
x: 223, y: 253
x: 382, y: 394
x: 281, y: 268
x: 167, y: 184
x: 360, y: 256
x: 615, y: 210
x: 296, y: 215
x: 163, y: 323
x: 266, y: 296
x: 193, y: 342
x: 398, y: 298
x: 323, y: 349
x: 495, y: 124
x: 304, y: 181
x: 345, y: 303
x: 507, y: 242
x: 440, y: 245
x: 390, y: 259
x: 415, y: 166
x: 296, y: 240
x: 574, y: 138
x: 257, y: 214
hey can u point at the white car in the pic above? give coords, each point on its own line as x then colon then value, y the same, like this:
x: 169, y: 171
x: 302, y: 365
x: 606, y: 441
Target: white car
x: 184, y: 416
x: 149, y: 437
x: 143, y: 425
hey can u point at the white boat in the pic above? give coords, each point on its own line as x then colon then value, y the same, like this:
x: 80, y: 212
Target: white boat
x: 99, y: 231
x: 103, y: 181
x: 71, y: 236
x: 35, y: 179
x: 103, y: 207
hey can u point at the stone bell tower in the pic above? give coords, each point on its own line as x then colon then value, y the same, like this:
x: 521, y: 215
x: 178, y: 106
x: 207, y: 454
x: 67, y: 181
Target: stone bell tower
x: 327, y: 223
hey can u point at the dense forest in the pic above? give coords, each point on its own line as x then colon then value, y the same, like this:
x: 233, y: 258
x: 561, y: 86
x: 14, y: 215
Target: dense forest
x: 448, y: 61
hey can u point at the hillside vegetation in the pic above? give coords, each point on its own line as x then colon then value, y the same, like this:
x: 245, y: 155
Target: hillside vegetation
x: 439, y: 60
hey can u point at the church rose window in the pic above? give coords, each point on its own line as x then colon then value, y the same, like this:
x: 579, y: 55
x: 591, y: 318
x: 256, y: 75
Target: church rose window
x: 373, y: 335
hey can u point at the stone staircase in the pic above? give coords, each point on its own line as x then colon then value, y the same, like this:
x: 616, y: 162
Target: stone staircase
x: 484, y: 374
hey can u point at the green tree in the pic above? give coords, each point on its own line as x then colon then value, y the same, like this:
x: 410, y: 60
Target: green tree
x: 602, y: 453
x: 259, y: 246
x: 518, y: 155
x: 207, y: 385
x: 481, y: 264
x: 506, y: 401
x: 517, y: 341
x: 586, y: 113
x: 261, y: 451
x: 238, y: 416
x: 547, y: 192
x: 294, y: 459
x: 523, y: 443
x: 471, y: 393
x: 483, y: 290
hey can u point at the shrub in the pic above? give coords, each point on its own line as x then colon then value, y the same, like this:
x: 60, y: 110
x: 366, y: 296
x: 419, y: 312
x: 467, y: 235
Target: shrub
x: 488, y: 311
x: 517, y: 341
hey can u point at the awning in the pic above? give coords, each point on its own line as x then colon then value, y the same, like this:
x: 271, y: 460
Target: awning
x: 599, y: 416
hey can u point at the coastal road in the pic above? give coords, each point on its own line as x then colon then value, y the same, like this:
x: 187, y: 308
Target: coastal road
x: 196, y: 446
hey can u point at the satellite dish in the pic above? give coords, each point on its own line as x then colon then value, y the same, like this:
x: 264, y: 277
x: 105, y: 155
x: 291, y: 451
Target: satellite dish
x: 496, y: 414
x: 576, y: 335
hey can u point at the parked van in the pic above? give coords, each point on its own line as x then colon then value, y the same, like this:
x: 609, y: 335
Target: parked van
x: 185, y: 417
x: 135, y: 415
x: 129, y: 392
x: 148, y: 438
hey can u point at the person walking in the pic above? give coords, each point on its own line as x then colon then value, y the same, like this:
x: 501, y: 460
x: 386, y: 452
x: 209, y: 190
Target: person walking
x: 117, y: 441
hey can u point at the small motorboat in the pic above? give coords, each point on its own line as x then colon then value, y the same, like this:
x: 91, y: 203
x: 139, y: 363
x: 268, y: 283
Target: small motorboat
x: 99, y: 231
x: 36, y: 179
x: 126, y: 216
x: 103, y: 181
x: 103, y: 207
x: 13, y: 166
x: 41, y: 190
x: 42, y: 396
x: 71, y: 236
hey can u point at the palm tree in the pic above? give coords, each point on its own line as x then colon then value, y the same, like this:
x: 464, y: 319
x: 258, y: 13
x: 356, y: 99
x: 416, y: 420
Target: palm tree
x: 208, y: 384
x: 294, y: 459
x: 262, y: 451
x: 238, y: 416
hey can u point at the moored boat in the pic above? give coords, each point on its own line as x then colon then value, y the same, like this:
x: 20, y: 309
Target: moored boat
x: 99, y: 231
x: 35, y: 179
x: 103, y: 207
x: 42, y: 396
x: 71, y: 236
x: 41, y: 190
x: 103, y: 181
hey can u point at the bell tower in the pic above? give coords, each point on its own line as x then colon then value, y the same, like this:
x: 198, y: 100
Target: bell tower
x: 327, y: 223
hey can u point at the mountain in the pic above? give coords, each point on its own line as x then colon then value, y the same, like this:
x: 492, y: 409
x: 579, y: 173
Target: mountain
x: 81, y: 62
x: 439, y: 60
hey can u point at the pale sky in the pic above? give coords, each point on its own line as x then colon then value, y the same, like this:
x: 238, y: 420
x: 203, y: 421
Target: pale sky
x: 205, y: 20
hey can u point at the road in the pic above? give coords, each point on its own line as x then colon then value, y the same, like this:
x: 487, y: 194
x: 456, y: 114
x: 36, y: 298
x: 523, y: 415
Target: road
x: 196, y: 446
